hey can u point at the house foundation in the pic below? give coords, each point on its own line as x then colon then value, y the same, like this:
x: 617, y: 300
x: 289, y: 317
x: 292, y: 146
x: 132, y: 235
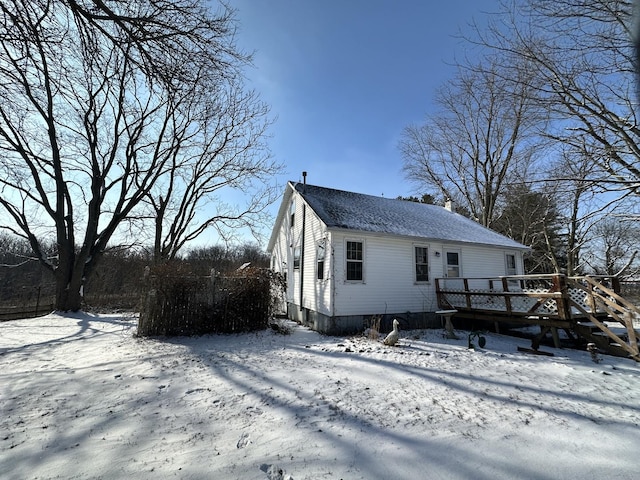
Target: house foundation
x: 351, y: 324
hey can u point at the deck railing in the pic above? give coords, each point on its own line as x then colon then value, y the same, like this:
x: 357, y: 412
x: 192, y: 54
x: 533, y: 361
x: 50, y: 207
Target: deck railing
x: 553, y: 300
x: 518, y: 296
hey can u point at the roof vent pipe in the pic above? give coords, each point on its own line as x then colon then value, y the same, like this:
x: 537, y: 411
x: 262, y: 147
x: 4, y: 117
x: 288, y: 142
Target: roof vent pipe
x: 304, y: 178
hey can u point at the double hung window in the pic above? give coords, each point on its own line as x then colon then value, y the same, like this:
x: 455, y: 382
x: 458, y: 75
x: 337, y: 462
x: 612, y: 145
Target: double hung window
x: 320, y: 260
x: 296, y: 257
x: 355, y: 261
x: 422, y: 264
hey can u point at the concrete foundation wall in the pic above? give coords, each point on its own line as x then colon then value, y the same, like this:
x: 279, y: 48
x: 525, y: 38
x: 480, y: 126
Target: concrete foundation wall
x: 350, y: 324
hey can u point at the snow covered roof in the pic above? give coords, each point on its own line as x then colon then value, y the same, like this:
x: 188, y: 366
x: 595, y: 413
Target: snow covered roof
x: 367, y: 213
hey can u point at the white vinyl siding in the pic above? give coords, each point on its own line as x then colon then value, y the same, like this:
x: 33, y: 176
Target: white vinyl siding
x: 316, y: 293
x: 285, y: 250
x: 479, y: 261
x: 390, y: 284
x: 390, y: 275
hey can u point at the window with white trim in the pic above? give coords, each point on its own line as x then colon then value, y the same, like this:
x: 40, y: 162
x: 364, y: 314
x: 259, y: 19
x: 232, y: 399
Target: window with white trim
x: 296, y: 257
x: 292, y: 214
x: 355, y: 261
x: 320, y: 254
x: 421, y: 257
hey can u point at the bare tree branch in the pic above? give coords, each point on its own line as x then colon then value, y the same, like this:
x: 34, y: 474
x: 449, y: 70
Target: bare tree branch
x: 475, y: 144
x: 100, y: 102
x: 582, y: 55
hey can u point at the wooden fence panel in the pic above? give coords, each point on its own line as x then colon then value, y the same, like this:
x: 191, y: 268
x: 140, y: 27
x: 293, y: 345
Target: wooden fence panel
x: 198, y: 305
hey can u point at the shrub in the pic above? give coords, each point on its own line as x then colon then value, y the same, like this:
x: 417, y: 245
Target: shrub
x: 180, y: 303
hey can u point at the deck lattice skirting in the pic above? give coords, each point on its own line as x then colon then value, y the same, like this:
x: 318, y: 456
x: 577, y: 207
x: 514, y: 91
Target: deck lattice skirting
x: 589, y: 307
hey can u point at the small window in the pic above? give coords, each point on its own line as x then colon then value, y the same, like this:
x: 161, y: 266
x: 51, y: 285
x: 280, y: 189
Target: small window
x: 292, y: 214
x: 296, y: 257
x: 320, y: 260
x: 422, y: 264
x: 354, y: 261
x: 511, y: 264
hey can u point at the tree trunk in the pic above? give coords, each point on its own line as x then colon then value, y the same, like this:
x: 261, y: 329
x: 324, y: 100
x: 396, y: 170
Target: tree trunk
x: 68, y: 292
x: 70, y: 275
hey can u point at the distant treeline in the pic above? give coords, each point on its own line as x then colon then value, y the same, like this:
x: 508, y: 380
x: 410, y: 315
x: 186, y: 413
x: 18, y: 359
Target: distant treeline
x: 117, y: 282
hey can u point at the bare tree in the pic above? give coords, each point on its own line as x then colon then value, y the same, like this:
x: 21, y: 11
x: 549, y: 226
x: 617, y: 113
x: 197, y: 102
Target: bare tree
x: 219, y: 156
x: 576, y: 187
x: 477, y: 142
x: 613, y: 248
x: 96, y: 98
x: 582, y: 55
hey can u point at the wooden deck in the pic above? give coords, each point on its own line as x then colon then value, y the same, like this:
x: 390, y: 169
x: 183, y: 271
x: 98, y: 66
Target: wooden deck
x: 588, y: 308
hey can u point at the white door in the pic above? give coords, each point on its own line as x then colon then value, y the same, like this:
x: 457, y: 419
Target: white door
x: 452, y: 264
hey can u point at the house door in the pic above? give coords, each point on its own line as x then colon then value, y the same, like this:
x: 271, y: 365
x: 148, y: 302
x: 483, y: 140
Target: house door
x: 452, y: 266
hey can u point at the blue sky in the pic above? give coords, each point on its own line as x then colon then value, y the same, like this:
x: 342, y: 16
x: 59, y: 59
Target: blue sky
x: 344, y: 77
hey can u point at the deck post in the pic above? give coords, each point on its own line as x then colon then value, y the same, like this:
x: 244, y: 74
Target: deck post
x: 631, y: 333
x: 467, y: 292
x: 556, y: 337
x: 563, y: 302
x: 591, y: 298
x: 507, y: 299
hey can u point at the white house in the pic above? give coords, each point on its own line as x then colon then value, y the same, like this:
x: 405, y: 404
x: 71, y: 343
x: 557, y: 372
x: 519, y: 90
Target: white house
x: 348, y: 256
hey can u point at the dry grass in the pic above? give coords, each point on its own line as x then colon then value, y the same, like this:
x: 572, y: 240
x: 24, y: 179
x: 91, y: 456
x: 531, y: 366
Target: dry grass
x: 374, y: 327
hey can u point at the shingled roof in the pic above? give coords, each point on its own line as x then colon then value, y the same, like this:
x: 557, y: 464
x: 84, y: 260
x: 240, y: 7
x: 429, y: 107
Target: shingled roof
x: 340, y: 209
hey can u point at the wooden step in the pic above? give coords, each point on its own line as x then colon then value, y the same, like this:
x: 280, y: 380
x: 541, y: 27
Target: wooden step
x: 604, y: 343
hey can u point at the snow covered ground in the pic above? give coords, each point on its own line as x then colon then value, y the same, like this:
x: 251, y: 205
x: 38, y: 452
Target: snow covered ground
x: 82, y: 397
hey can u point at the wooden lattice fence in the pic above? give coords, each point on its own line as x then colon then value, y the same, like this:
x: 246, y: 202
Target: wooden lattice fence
x: 587, y: 307
x: 177, y: 304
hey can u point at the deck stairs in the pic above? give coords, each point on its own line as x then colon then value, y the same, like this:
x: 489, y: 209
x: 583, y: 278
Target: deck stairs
x: 607, y: 319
